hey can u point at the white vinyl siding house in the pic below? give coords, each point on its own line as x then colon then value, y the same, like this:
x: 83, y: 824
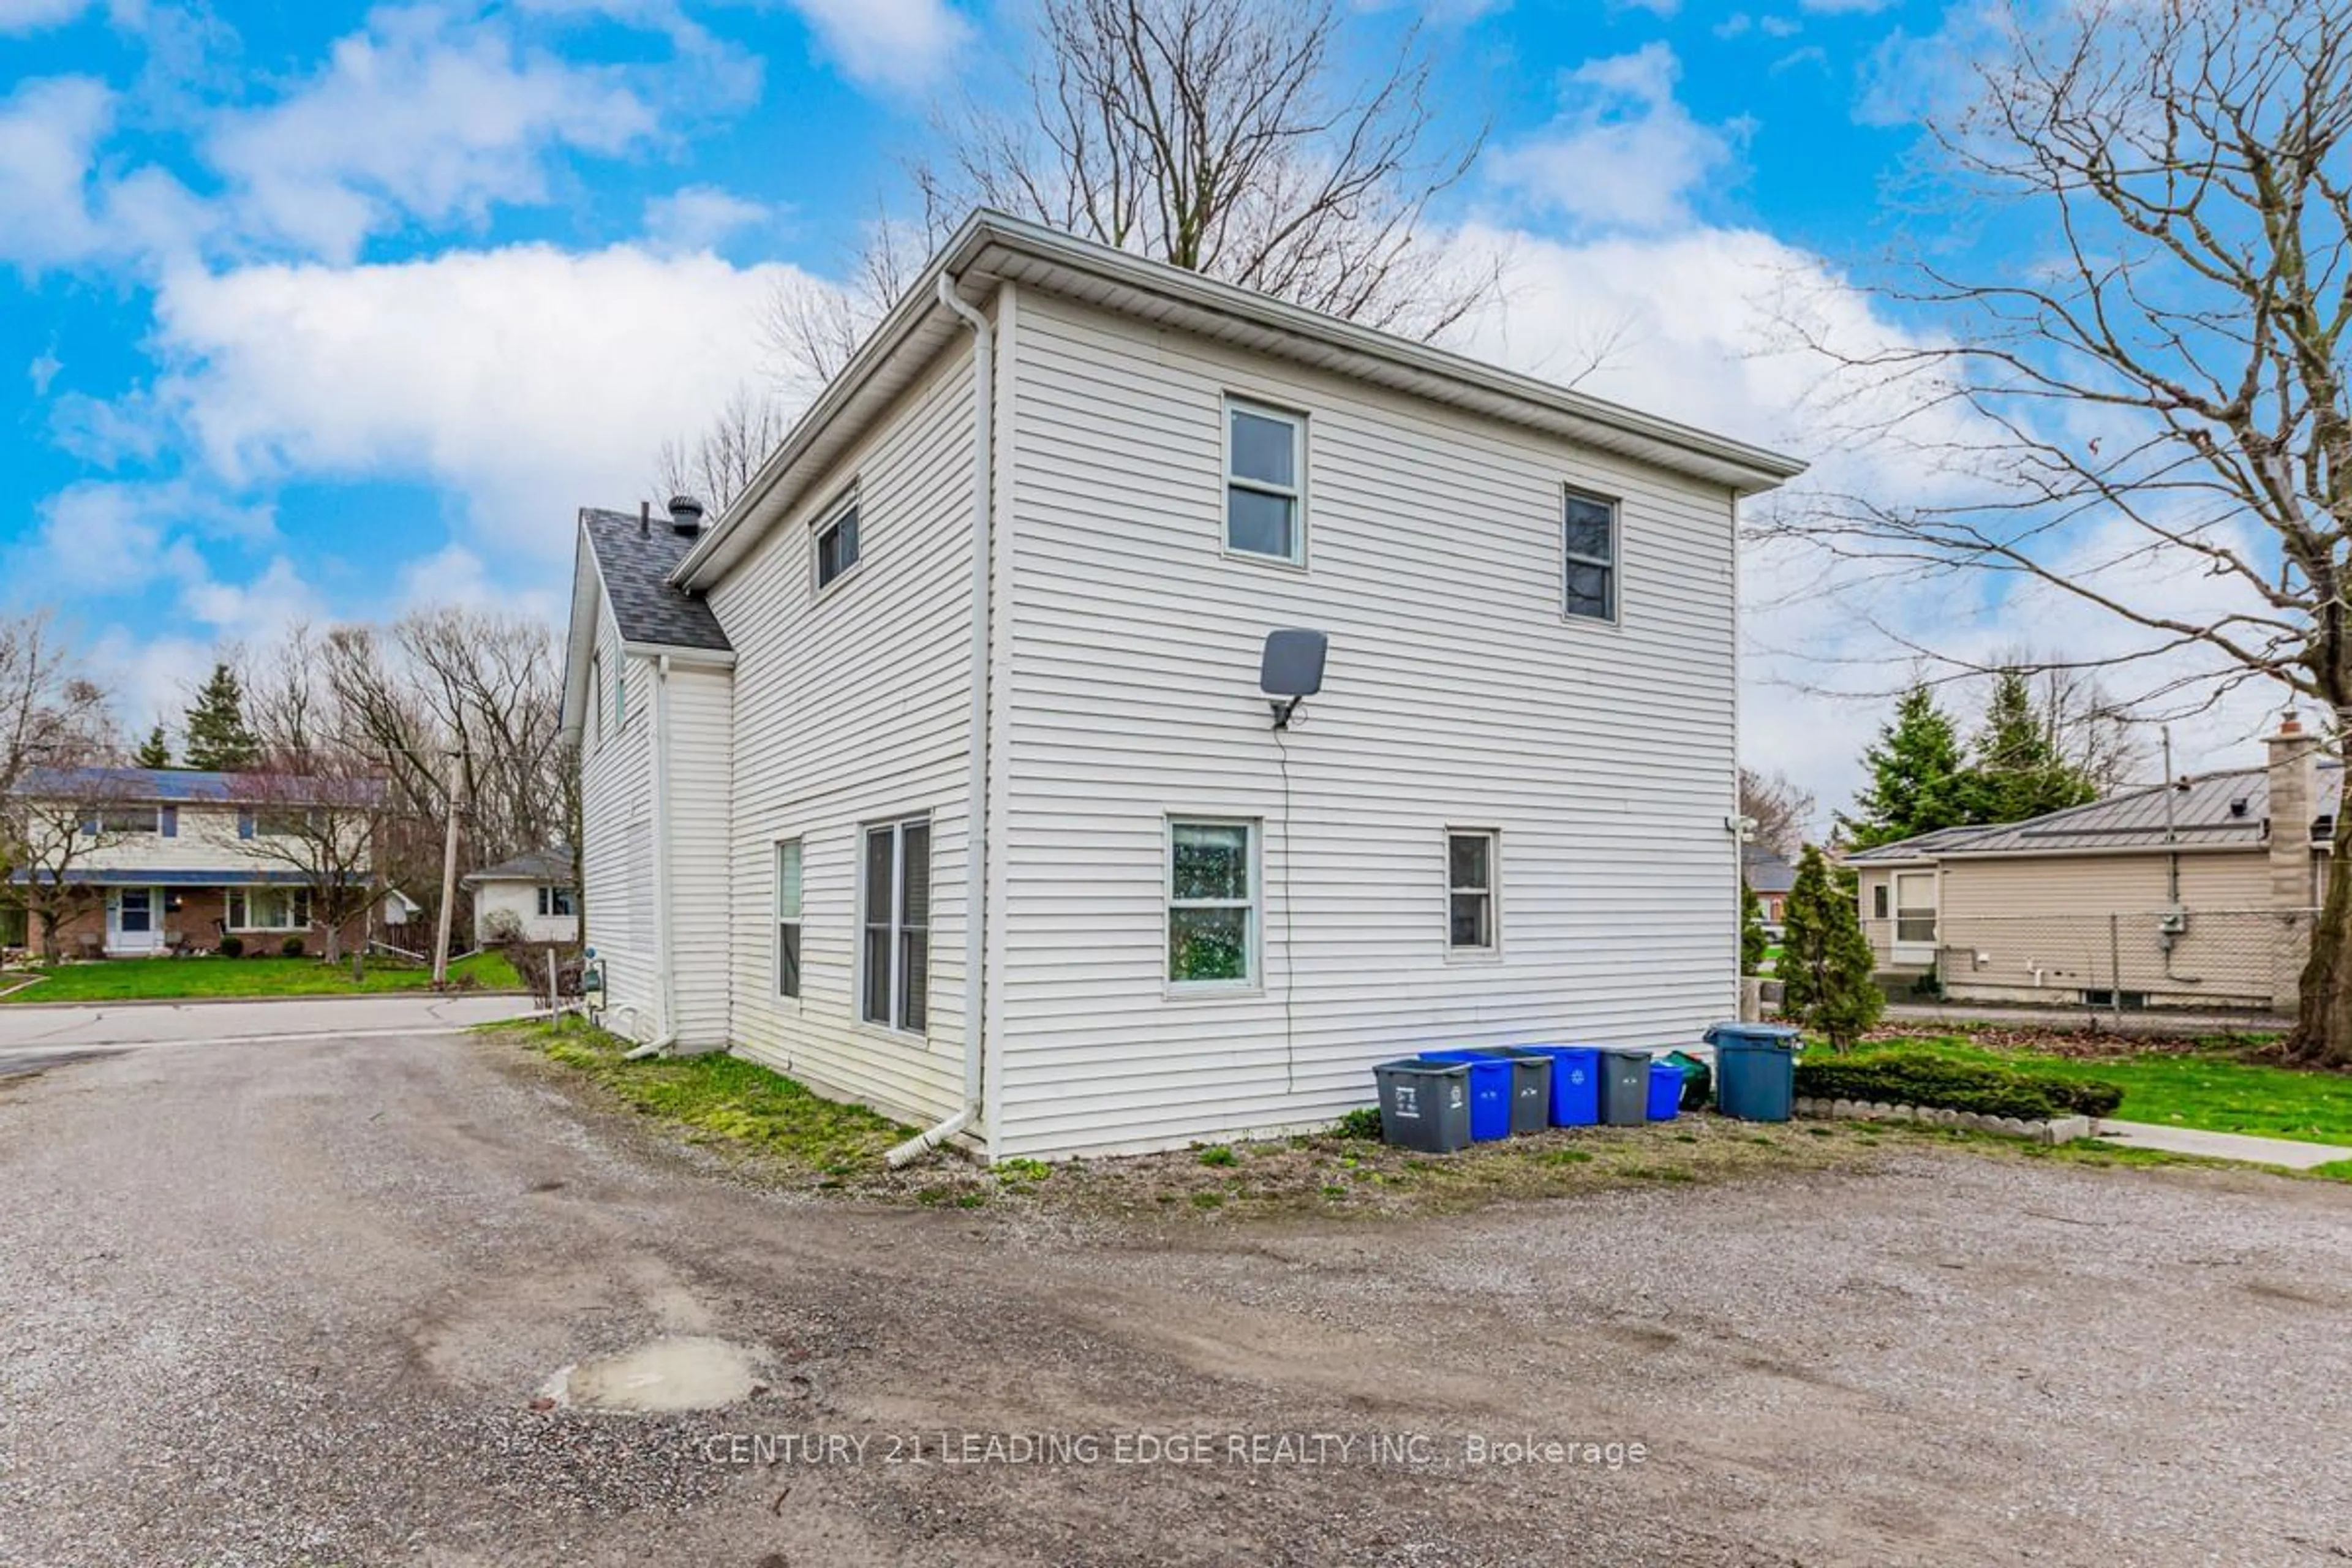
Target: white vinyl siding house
x: 1503, y: 817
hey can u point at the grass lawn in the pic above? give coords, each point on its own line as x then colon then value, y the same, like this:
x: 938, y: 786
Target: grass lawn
x: 2215, y: 1089
x: 163, y: 979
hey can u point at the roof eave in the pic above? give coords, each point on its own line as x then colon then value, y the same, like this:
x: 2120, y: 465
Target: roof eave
x: 989, y: 240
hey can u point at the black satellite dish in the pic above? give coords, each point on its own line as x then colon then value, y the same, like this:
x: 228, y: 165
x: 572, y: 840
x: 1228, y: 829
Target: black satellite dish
x: 1291, y: 671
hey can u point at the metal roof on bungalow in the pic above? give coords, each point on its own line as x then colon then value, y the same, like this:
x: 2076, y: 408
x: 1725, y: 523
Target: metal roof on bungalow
x: 2210, y: 811
x: 993, y: 248
x: 183, y: 786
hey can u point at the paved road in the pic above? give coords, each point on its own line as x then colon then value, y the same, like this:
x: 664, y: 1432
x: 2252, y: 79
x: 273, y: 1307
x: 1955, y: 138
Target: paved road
x: 295, y: 1303
x: 32, y: 1036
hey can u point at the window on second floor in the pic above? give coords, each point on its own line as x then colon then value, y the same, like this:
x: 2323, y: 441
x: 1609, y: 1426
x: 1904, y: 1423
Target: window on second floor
x: 1588, y: 532
x: 1266, y: 488
x: 108, y: 821
x: 837, y: 546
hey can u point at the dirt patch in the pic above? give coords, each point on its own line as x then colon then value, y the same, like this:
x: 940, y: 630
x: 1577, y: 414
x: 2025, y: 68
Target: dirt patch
x: 1321, y: 1174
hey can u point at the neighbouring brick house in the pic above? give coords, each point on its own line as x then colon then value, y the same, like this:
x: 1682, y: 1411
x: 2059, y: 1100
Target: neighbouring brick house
x: 174, y: 859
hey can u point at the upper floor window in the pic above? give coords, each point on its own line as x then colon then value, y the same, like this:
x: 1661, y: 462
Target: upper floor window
x: 1265, y: 468
x: 1589, y: 533
x: 837, y: 546
x: 111, y: 819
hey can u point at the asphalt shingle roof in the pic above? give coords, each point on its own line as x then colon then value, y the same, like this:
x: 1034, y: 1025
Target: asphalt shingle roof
x: 535, y: 865
x: 1767, y: 870
x: 2213, y: 811
x: 636, y: 567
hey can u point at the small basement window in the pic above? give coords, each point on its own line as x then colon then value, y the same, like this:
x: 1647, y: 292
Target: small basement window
x: 1590, y: 537
x: 1266, y: 462
x: 837, y: 546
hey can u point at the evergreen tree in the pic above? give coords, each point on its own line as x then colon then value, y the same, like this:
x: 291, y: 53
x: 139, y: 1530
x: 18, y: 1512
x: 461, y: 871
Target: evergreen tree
x: 154, y: 751
x: 1918, y: 781
x: 218, y: 736
x: 1826, y: 964
x: 2018, y: 770
x: 1753, y: 942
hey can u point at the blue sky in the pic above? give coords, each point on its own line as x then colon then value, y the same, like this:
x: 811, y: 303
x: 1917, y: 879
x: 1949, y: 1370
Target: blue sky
x: 317, y: 311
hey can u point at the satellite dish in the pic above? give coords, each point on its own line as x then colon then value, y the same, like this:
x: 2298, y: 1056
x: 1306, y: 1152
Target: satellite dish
x: 1291, y: 671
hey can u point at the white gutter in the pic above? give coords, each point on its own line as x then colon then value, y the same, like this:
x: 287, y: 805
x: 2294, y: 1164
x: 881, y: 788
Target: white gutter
x: 975, y: 862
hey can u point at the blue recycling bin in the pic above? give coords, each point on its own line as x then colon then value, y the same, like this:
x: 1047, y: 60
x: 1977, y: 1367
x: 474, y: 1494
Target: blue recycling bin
x: 1755, y: 1070
x: 1665, y: 1091
x: 1575, y: 1083
x: 1490, y: 1092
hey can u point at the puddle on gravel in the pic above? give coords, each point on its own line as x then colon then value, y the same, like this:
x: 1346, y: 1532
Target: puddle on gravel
x: 676, y: 1373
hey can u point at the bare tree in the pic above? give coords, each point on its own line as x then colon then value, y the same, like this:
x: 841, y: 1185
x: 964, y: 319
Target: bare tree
x: 320, y: 827
x: 59, y: 820
x: 1222, y: 136
x: 1781, y: 809
x: 50, y: 713
x: 715, y: 466
x: 2162, y: 398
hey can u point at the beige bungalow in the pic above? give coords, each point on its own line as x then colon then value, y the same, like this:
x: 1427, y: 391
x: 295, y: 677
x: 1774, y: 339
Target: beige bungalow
x: 2200, y: 892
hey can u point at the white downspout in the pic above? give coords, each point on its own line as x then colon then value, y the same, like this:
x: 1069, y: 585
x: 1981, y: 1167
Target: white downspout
x: 975, y: 883
x: 665, y: 981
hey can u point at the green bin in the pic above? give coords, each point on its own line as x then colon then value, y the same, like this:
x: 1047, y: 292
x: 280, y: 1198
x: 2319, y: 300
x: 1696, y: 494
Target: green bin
x: 1755, y: 1070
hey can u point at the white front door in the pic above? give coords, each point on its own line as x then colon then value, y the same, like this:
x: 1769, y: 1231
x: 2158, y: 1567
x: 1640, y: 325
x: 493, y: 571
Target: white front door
x: 1915, y: 917
x: 133, y: 918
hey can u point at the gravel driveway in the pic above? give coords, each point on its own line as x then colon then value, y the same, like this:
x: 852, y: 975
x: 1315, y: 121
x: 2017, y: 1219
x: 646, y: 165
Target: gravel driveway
x: 298, y: 1302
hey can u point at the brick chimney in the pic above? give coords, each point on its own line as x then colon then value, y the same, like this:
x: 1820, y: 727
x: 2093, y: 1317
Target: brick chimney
x: 2294, y: 798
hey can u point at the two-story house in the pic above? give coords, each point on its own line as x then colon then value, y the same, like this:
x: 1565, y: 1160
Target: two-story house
x: 936, y: 771
x: 155, y: 860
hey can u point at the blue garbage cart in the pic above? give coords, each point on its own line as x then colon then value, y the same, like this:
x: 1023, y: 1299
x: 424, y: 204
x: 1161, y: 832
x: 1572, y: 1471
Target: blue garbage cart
x: 1530, y: 1081
x: 1575, y: 1083
x: 1755, y: 1070
x: 1665, y: 1091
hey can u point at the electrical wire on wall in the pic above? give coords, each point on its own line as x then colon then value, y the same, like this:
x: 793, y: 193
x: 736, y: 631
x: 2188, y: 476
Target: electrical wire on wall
x: 1289, y: 952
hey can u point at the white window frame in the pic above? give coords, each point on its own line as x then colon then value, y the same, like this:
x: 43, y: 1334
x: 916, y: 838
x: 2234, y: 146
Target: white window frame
x: 1296, y: 492
x: 548, y: 893
x: 899, y: 997
x: 1614, y: 565
x: 831, y: 518
x: 97, y: 820
x: 792, y: 916
x: 1253, y: 977
x: 237, y: 911
x: 1917, y: 948
x: 1492, y: 892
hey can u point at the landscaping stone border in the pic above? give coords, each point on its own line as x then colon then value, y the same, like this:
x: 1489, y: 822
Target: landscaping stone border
x: 2057, y: 1129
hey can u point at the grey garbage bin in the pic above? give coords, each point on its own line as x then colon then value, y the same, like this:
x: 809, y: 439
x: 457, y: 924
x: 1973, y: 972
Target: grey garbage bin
x: 1530, y: 1087
x: 1755, y: 1070
x: 1424, y: 1105
x: 1624, y: 1088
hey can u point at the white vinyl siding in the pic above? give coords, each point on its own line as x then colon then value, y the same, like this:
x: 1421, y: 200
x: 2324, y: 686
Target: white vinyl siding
x: 701, y: 806
x: 1458, y: 695
x: 852, y: 708
x: 616, y: 847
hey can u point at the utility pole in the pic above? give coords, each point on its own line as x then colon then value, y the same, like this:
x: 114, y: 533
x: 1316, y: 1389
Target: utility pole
x: 448, y: 876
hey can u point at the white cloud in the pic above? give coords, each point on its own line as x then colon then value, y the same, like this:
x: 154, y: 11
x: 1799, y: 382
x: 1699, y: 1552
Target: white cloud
x: 30, y: 16
x: 56, y: 208
x: 700, y: 217
x: 44, y: 369
x: 1781, y: 27
x: 899, y: 45
x: 526, y: 380
x: 423, y: 116
x: 1625, y: 152
x: 100, y: 537
x: 259, y: 611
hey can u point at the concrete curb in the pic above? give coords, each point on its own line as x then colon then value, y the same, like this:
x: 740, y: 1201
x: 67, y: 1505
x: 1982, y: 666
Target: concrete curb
x: 2058, y: 1130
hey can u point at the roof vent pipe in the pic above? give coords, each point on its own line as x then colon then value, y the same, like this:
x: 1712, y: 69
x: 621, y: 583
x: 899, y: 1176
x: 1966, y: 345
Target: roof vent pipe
x: 685, y: 516
x: 644, y: 520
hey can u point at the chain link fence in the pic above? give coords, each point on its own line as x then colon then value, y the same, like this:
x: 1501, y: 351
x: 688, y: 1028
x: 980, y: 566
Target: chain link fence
x: 2247, y: 959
